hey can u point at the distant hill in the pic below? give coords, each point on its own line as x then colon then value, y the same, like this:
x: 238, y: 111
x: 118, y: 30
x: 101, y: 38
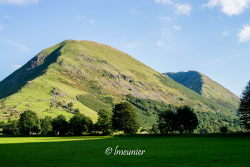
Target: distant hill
x: 206, y: 87
x: 92, y: 76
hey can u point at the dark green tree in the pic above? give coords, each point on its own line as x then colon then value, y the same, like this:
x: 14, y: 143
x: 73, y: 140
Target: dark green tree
x: 11, y: 128
x: 224, y: 129
x: 79, y: 123
x: 46, y: 125
x: 187, y: 120
x: 28, y: 123
x: 104, y: 122
x: 244, y: 109
x: 125, y: 118
x: 2, y: 124
x: 167, y: 122
x: 60, y: 126
x: 155, y: 129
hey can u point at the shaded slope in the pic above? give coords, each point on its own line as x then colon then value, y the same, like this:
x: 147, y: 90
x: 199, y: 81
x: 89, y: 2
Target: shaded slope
x: 31, y: 70
x: 190, y: 79
x: 206, y: 87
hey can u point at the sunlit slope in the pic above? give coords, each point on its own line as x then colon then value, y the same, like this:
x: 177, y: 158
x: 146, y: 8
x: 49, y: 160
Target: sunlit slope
x: 91, y: 76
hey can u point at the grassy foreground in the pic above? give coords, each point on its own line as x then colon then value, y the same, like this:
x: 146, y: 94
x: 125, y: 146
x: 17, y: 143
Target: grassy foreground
x: 90, y: 151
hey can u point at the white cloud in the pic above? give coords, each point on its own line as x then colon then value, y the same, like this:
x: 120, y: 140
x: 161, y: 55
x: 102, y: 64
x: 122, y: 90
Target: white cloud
x: 244, y: 34
x: 15, y: 67
x: 160, y: 43
x: 176, y: 27
x: 229, y: 7
x: 1, y: 28
x: 166, y: 19
x: 164, y: 1
x: 85, y: 19
x: 183, y: 9
x: 18, y: 2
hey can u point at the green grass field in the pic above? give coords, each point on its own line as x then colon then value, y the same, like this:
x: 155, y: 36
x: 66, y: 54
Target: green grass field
x: 90, y: 151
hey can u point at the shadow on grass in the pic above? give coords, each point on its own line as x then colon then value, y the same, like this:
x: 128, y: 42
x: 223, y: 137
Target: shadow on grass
x: 160, y: 151
x: 238, y: 134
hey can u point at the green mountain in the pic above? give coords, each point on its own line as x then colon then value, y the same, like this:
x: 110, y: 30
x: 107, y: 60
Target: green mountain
x: 206, y: 87
x: 90, y: 76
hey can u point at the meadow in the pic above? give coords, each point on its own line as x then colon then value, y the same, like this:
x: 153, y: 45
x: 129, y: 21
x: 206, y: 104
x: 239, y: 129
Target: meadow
x: 173, y: 151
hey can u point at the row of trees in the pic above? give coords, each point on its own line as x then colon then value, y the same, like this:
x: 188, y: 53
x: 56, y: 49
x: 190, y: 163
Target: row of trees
x: 123, y: 118
x: 30, y: 124
x: 182, y: 120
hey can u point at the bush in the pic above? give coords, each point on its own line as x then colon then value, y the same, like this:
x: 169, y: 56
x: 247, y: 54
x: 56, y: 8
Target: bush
x: 154, y: 129
x: 224, y: 129
x: 203, y: 131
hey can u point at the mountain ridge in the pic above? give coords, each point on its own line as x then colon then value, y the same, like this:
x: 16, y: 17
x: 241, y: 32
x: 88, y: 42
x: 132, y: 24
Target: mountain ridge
x: 205, y: 86
x: 92, y: 76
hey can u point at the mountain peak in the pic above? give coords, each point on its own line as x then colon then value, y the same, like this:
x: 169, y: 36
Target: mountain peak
x: 203, y: 85
x: 94, y: 76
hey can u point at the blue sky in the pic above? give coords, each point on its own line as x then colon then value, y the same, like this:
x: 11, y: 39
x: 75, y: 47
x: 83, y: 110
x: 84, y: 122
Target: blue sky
x: 210, y: 36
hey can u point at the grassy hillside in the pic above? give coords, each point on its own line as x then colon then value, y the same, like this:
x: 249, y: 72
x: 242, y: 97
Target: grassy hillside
x: 215, y: 91
x: 206, y: 87
x: 93, y: 76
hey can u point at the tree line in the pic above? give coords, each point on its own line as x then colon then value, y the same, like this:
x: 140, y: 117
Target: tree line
x: 182, y: 119
x: 122, y: 118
